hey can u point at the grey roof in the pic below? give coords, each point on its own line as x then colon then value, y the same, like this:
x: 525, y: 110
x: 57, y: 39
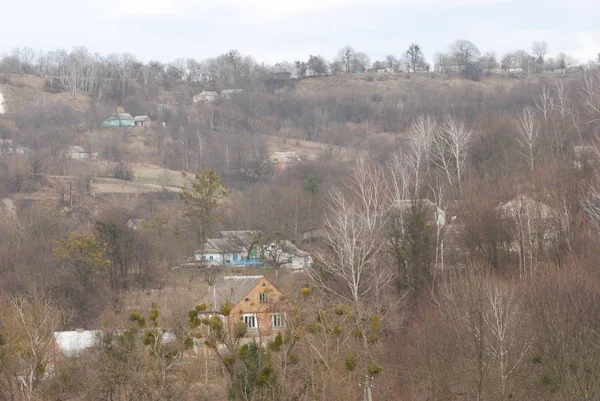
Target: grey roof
x: 230, y: 91
x: 120, y: 116
x: 287, y: 157
x: 142, y: 118
x: 219, y: 245
x: 245, y: 237
x: 232, y: 289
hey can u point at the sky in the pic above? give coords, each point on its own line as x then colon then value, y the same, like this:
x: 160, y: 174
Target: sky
x: 277, y: 30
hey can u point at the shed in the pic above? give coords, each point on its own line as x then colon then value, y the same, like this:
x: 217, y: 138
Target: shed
x: 142, y: 121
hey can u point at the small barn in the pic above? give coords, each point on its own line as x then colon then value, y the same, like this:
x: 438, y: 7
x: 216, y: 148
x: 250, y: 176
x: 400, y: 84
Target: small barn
x: 142, y: 121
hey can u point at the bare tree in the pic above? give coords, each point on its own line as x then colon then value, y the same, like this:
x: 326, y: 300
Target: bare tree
x: 464, y: 52
x: 353, y: 229
x: 590, y: 94
x: 345, y: 56
x: 539, y: 50
x: 544, y: 103
x: 414, y: 58
x: 528, y: 136
x: 449, y: 150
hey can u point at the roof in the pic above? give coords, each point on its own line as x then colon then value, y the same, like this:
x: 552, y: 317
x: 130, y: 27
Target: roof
x: 430, y: 210
x: 524, y: 204
x: 246, y: 237
x: 286, y: 157
x: 230, y: 91
x: 294, y: 250
x: 77, y: 149
x: 73, y: 342
x: 142, y: 118
x: 232, y: 289
x: 120, y: 116
x: 219, y: 245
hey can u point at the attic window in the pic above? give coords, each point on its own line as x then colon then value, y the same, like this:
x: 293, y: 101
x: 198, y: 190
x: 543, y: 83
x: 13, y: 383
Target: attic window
x: 247, y: 299
x: 264, y: 298
x: 264, y: 284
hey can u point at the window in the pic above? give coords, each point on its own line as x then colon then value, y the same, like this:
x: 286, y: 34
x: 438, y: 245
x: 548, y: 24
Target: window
x: 264, y: 298
x: 251, y: 321
x: 210, y: 258
x: 278, y: 320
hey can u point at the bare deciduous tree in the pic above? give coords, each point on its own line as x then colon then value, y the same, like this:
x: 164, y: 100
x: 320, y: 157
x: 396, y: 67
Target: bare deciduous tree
x: 528, y: 136
x: 449, y: 150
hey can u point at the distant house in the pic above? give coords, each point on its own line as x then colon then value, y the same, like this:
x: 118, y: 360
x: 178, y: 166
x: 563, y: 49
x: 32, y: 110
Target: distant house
x: 250, y: 248
x: 287, y: 255
x: 119, y: 120
x: 142, y: 121
x: 489, y: 67
x: 7, y: 147
x: 254, y: 300
x: 574, y: 70
x: 220, y: 252
x: 430, y: 212
x: 282, y: 160
x: 205, y: 96
x: 73, y: 343
x: 227, y: 93
x: 380, y: 70
x: 281, y: 75
x: 79, y: 153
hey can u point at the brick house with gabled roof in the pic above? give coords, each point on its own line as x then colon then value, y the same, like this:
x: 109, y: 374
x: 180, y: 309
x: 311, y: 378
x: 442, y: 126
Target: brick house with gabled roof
x: 253, y: 299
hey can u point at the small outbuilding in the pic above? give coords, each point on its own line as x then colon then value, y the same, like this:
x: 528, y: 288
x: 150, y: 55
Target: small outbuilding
x: 142, y: 121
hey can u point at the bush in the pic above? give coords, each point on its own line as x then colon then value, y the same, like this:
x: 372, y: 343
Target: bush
x: 123, y: 171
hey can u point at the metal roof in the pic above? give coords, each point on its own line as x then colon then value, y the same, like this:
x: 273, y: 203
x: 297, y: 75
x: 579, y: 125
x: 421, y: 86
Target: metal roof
x: 232, y: 289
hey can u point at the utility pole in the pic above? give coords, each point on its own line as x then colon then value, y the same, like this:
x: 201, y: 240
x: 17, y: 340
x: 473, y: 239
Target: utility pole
x: 367, y: 386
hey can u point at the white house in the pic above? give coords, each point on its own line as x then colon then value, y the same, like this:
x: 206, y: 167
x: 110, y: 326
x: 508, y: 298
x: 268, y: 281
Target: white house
x: 205, y: 96
x: 7, y: 147
x: 220, y: 252
x: 244, y: 248
x: 227, y: 93
x: 431, y: 212
x: 79, y: 153
x: 73, y: 343
x: 288, y: 254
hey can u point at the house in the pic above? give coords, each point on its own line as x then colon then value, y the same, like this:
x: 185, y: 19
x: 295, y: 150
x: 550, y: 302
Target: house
x: 430, y: 211
x: 79, y: 153
x: 248, y: 248
x: 142, y: 121
x: 7, y: 147
x: 205, y: 96
x: 119, y: 120
x: 220, y: 252
x: 285, y: 254
x: 73, y: 343
x: 254, y: 300
x: 227, y: 93
x: 380, y: 70
x: 282, y: 160
x: 281, y: 75
x: 574, y: 70
x: 489, y: 67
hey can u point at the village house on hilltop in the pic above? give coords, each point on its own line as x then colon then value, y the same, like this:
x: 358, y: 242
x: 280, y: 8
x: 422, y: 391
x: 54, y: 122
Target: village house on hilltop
x: 282, y: 160
x: 251, y: 248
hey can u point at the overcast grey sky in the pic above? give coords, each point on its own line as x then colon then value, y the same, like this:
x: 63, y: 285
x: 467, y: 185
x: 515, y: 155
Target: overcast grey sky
x: 275, y: 30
